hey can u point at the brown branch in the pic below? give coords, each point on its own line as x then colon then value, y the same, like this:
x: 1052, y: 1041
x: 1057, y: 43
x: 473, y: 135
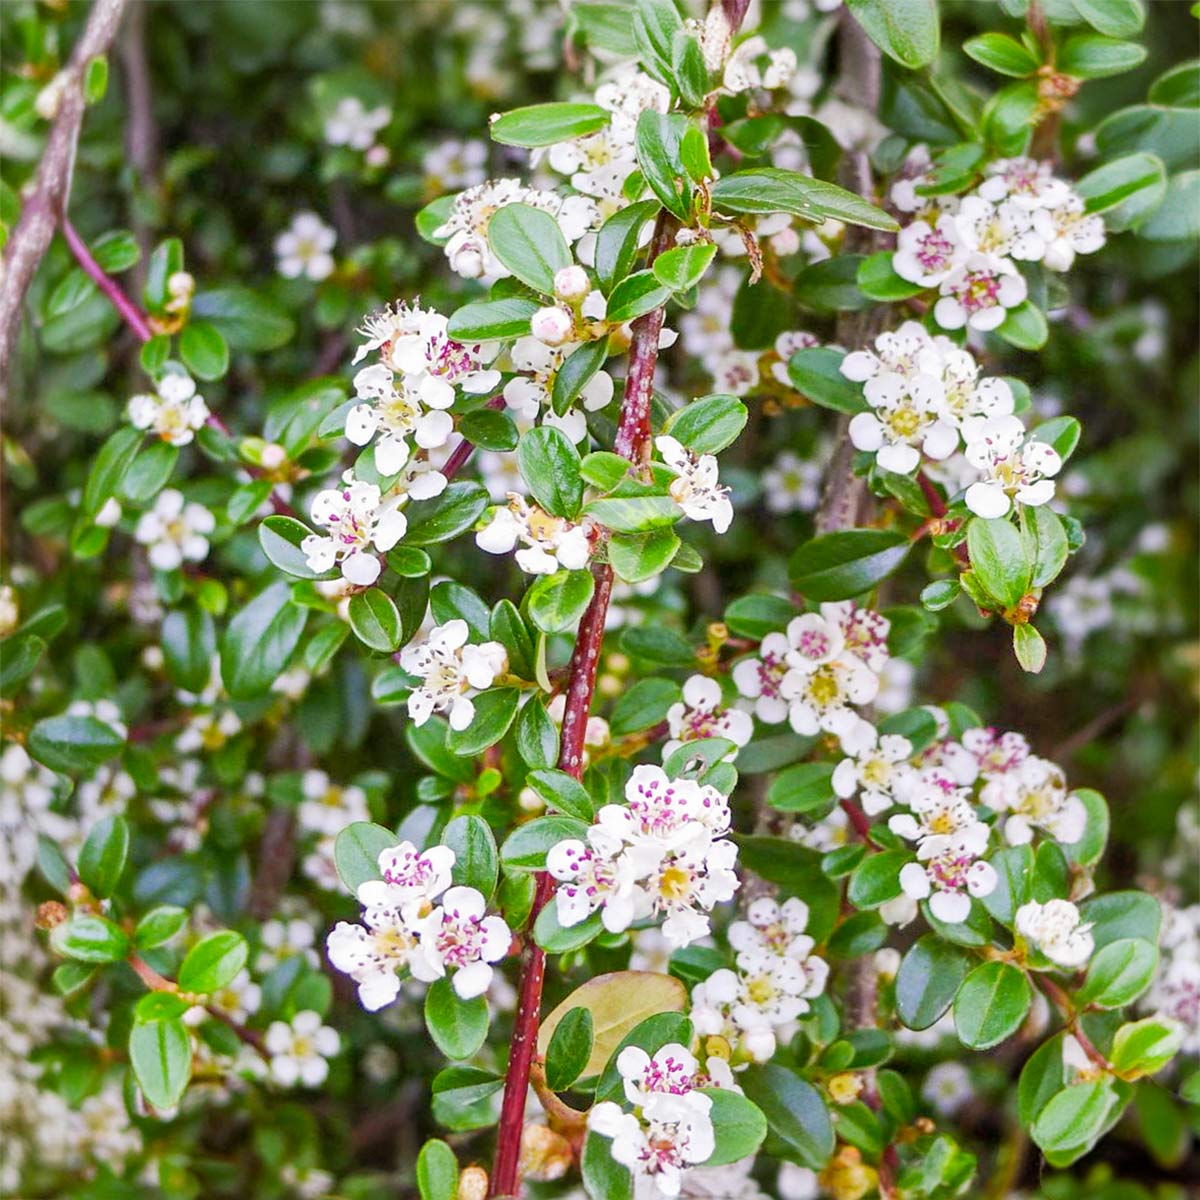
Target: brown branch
x: 141, y: 130
x: 46, y: 204
x: 276, y: 857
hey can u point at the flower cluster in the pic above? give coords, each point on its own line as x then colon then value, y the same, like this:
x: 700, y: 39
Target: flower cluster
x: 670, y: 1128
x: 549, y: 543
x: 967, y: 247
x: 414, y: 920
x: 926, y: 396
x: 743, y: 1012
x: 662, y: 854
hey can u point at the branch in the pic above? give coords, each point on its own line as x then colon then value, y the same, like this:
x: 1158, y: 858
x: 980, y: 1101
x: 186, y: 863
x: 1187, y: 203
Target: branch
x: 130, y: 313
x: 141, y: 131
x: 46, y: 203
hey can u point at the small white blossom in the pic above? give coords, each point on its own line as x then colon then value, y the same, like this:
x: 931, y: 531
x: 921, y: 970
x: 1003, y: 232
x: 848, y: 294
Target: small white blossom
x: 701, y: 714
x: 1057, y: 930
x: 359, y: 521
x: 947, y: 1088
x: 1067, y: 230
x: 792, y: 484
x: 926, y: 254
x: 528, y: 393
x: 457, y: 934
x: 695, y: 488
x: 304, y: 248
x: 550, y: 543
x: 1014, y: 468
x: 353, y: 124
x: 176, y: 531
x: 979, y: 293
x: 876, y: 767
x: 328, y: 807
x: 449, y: 669
x: 300, y: 1050
x: 452, y: 164
x: 1035, y: 797
x: 174, y: 413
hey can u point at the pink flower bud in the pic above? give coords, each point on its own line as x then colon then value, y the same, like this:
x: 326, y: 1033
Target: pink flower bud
x: 551, y: 325
x: 571, y: 283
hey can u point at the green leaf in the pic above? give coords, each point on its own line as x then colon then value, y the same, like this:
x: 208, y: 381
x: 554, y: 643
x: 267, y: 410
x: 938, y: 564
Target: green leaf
x: 545, y: 124
x: 489, y: 430
x: 166, y: 259
x: 525, y: 849
x: 507, y: 626
x: 689, y: 69
x: 1042, y: 1077
x: 684, y: 266
x: 1122, y: 915
x: 1025, y: 327
x: 991, y: 1004
x: 802, y: 788
x: 529, y: 242
x: 558, y: 939
x: 905, y: 30
x: 1145, y: 1047
x: 636, y: 295
x: 22, y: 653
x: 940, y: 594
x: 569, y: 1050
x: 999, y: 559
x: 577, y: 371
x: 1178, y: 87
x: 559, y: 790
x: 603, y: 1177
x: 930, y: 974
x: 655, y: 24
x: 214, y: 962
x: 877, y: 279
x: 458, y: 1027
x: 280, y: 539
x: 709, y: 424
x: 375, y: 621
x: 260, y: 640
x: 494, y: 713
x: 203, y: 350
x: 116, y: 251
x: 658, y: 645
x: 756, y: 616
x: 637, y: 557
x: 537, y: 735
x: 771, y: 190
x: 66, y: 743
x: 657, y: 141
x: 489, y: 320
x: 1175, y: 219
x: 248, y: 320
x: 1119, y: 973
x: 102, y: 857
x: 109, y: 469
x: 557, y: 602
x: 1002, y: 53
x: 1127, y: 189
x: 643, y: 705
x: 1088, y: 850
x: 549, y: 464
x: 739, y: 1126
x: 831, y: 285
x: 356, y: 852
x: 839, y: 566
x: 618, y: 239
x: 816, y: 373
x: 1093, y: 56
x: 159, y: 925
x: 149, y: 472
x: 1029, y: 647
x: 876, y: 880
x: 445, y: 516
x: 1014, y: 869
x: 90, y: 939
x: 794, y: 1111
x: 1116, y: 18
x: 1046, y: 543
x: 437, y: 1171
x: 476, y: 861
x: 160, y: 1053
x: 1072, y: 1121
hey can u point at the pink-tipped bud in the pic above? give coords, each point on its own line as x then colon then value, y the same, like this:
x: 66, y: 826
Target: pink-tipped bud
x: 551, y: 325
x: 571, y: 283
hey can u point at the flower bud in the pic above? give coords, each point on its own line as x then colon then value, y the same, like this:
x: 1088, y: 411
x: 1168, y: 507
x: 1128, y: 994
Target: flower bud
x: 10, y: 610
x: 785, y: 242
x: 551, y: 325
x: 545, y: 1155
x: 109, y: 514
x: 472, y: 1184
x: 377, y: 156
x: 571, y: 283
x: 273, y: 456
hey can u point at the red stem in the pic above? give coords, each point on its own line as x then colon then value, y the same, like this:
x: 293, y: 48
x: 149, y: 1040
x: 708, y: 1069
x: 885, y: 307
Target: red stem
x: 858, y: 818
x: 633, y: 443
x: 132, y: 315
x: 937, y: 505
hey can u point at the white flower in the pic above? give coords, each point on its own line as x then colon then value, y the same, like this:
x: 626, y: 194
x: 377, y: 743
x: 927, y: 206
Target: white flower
x: 674, y: 1133
x: 759, y: 679
x: 327, y: 807
x: 736, y: 372
x: 724, y: 1007
x: 1035, y: 795
x: 449, y: 669
x: 949, y: 873
x: 695, y: 488
x: 779, y: 972
x: 1025, y: 181
x: 398, y: 413
x: 458, y: 935
x: 1014, y: 468
x: 408, y: 874
x: 571, y: 283
x: 373, y: 952
x: 1004, y: 230
x: 451, y: 164
x: 283, y: 939
x: 529, y: 392
x: 979, y: 293
x: 299, y: 1051
x: 175, y: 531
x: 1068, y: 229
x: 304, y: 248
x: 239, y: 998
x: 947, y: 1088
x: 1057, y: 930
x: 864, y: 631
x: 208, y: 730
x: 670, y: 1071
x: 359, y: 520
x: 550, y: 543
x: 594, y: 875
x: 701, y: 714
x: 792, y: 484
x: 941, y: 807
x: 995, y: 753
x: 754, y: 65
x: 353, y: 124
x: 173, y: 413
x: 875, y: 768
x: 926, y: 254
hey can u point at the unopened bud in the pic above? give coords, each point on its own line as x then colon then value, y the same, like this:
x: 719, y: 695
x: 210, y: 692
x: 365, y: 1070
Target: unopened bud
x: 847, y: 1177
x: 10, y: 610
x: 571, y: 283
x: 887, y: 962
x: 785, y: 242
x: 551, y: 325
x: 377, y: 156
x: 50, y: 913
x: 272, y: 456
x: 472, y: 1184
x: 529, y: 801
x: 109, y: 514
x: 545, y: 1155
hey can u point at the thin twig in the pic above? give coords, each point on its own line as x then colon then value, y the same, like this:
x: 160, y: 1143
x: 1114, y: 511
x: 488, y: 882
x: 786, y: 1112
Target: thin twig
x: 130, y: 313
x: 46, y: 204
x: 141, y: 130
